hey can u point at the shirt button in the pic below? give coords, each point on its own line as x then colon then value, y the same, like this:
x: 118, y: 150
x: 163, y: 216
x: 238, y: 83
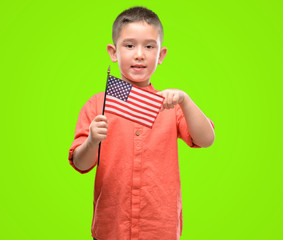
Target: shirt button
x: 137, y: 133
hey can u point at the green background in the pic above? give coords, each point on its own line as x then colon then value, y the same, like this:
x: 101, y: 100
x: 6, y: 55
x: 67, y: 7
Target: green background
x: 227, y: 55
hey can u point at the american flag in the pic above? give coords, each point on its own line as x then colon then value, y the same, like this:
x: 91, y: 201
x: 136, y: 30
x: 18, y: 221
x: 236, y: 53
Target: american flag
x: 131, y: 102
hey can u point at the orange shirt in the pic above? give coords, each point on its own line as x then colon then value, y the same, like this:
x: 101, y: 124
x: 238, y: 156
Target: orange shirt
x: 137, y: 192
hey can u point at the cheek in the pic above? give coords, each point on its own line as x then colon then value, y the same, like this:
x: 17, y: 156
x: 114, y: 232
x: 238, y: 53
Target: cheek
x: 153, y: 59
x: 124, y: 58
x: 155, y: 55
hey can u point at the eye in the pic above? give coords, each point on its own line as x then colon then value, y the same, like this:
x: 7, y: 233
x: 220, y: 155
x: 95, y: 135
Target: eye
x: 129, y: 45
x: 149, y: 46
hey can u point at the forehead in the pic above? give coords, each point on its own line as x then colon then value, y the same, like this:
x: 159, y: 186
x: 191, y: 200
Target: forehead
x: 139, y: 31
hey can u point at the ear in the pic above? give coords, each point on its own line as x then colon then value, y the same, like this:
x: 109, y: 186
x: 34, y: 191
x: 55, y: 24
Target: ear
x: 162, y: 54
x: 111, y: 49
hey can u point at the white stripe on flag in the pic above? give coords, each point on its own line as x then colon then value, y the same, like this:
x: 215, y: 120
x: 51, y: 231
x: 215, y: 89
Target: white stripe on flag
x: 128, y: 110
x: 128, y: 116
x: 143, y: 104
x: 158, y: 98
x: 145, y: 99
x: 133, y: 106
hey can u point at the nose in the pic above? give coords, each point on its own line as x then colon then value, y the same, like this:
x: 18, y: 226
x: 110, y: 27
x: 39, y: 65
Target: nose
x: 139, y: 54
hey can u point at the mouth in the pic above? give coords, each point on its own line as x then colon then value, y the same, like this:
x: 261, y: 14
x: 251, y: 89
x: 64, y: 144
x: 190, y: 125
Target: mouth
x: 138, y: 67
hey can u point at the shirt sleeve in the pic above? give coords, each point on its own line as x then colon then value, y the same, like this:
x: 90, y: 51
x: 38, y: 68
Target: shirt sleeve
x: 182, y: 128
x: 86, y: 115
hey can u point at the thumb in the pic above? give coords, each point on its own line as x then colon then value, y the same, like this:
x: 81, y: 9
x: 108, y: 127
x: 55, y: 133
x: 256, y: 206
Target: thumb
x: 160, y: 93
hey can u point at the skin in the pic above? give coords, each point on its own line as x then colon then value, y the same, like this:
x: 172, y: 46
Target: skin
x: 138, y: 44
x: 138, y: 51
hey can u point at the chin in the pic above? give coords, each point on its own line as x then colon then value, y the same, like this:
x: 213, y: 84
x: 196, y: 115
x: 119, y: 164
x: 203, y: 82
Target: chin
x: 135, y: 79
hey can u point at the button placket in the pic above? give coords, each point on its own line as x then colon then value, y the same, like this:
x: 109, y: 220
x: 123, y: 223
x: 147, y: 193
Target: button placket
x: 136, y: 181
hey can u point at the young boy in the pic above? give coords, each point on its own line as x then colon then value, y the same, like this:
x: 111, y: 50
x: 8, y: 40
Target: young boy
x: 137, y: 193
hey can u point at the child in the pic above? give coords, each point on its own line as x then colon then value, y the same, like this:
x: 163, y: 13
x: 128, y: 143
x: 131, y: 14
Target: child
x: 137, y: 193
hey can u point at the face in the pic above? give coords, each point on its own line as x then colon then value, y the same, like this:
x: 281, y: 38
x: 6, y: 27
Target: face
x: 138, y: 52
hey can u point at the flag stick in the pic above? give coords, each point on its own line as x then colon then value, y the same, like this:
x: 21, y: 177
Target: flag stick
x: 108, y: 72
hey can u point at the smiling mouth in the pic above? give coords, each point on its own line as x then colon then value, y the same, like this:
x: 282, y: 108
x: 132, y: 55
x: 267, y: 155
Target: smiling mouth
x: 138, y: 66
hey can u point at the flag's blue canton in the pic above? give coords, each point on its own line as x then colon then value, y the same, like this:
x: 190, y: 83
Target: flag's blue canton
x: 118, y: 88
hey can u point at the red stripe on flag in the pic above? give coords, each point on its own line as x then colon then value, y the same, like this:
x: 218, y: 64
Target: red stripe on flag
x: 146, y: 96
x: 133, y: 109
x: 131, y: 114
x: 145, y: 108
x: 142, y: 123
x: 142, y: 101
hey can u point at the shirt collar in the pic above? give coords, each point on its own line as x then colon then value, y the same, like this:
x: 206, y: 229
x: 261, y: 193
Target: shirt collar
x: 149, y: 88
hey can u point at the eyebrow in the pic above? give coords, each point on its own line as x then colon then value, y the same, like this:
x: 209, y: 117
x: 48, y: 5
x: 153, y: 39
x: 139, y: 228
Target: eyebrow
x: 134, y: 40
